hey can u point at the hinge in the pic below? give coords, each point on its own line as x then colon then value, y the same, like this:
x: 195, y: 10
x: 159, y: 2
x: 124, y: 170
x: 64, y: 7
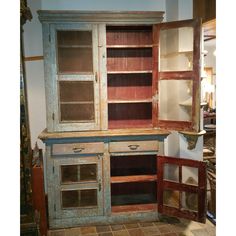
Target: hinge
x: 155, y: 98
x: 53, y: 169
x: 53, y: 116
x: 54, y: 207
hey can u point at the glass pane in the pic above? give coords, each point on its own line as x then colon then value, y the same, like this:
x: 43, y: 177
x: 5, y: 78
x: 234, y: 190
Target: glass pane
x: 76, y: 91
x: 175, y: 100
x: 176, y: 49
x: 171, y: 172
x: 79, y: 198
x: 76, y: 173
x: 74, y: 51
x: 171, y: 198
x: 77, y: 112
x: 189, y: 175
x: 133, y: 193
x: 189, y: 201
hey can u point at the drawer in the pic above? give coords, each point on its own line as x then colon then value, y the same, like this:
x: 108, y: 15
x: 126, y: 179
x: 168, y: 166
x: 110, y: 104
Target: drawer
x: 133, y: 146
x: 77, y: 148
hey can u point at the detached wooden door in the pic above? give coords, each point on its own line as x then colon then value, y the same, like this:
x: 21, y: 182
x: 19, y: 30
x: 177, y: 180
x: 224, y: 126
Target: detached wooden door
x: 181, y: 188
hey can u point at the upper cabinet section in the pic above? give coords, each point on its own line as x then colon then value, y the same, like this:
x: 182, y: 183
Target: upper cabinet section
x: 120, y: 70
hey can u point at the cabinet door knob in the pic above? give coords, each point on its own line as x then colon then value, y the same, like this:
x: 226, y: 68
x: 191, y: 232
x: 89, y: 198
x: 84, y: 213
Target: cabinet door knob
x: 133, y: 146
x: 76, y: 150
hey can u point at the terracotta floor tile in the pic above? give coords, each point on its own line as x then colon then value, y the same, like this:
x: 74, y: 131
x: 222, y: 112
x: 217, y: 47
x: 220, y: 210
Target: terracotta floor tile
x: 131, y: 225
x: 169, y: 234
x: 146, y: 224
x: 88, y: 230
x: 72, y: 232
x: 153, y: 230
x: 117, y: 227
x: 135, y: 232
x: 165, y: 228
x: 105, y: 234
x: 120, y: 233
x: 103, y: 228
x: 57, y: 232
x: 203, y: 232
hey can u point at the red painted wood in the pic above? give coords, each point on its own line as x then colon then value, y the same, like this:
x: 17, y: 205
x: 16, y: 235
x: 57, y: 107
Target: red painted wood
x: 200, y: 189
x: 129, y: 87
x: 129, y: 35
x: 129, y: 59
x: 38, y: 195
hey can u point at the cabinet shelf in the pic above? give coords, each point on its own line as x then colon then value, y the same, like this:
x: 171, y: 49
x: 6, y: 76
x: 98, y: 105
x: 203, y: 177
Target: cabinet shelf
x: 74, y: 46
x: 134, y: 208
x: 173, y: 54
x: 71, y: 103
x: 133, y: 178
x: 186, y: 103
x: 130, y: 101
x: 130, y: 72
x: 115, y: 46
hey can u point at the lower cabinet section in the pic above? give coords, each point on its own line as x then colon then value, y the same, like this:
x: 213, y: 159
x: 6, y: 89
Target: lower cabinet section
x: 121, y: 181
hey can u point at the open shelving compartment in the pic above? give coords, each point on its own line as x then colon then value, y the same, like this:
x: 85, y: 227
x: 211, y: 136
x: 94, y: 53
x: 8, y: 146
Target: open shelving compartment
x: 133, y: 183
x: 129, y: 75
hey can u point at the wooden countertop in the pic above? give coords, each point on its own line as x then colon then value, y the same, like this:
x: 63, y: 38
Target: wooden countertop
x: 106, y: 133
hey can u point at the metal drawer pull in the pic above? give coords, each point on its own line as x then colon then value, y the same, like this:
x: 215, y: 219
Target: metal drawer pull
x: 133, y: 147
x: 75, y: 149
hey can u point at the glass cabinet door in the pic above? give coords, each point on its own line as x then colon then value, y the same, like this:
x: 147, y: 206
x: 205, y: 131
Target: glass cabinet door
x: 76, y: 100
x: 78, y: 186
x: 178, y: 74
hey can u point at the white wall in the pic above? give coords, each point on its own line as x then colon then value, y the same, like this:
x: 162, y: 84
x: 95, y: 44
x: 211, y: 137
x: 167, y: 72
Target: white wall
x: 123, y: 5
x: 35, y: 74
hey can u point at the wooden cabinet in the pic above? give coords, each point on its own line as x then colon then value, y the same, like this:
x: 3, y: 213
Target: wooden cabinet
x: 115, y: 82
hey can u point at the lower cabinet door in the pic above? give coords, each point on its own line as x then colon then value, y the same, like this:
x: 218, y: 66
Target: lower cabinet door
x: 181, y: 188
x: 78, y: 187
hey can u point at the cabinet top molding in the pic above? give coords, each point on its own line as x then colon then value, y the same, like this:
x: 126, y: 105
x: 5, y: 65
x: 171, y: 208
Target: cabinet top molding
x: 114, y: 17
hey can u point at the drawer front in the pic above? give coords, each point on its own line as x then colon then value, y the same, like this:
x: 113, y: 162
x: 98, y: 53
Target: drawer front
x: 133, y: 146
x: 77, y: 148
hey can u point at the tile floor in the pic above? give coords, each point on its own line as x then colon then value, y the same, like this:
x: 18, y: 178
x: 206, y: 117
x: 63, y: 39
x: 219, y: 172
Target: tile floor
x: 177, y: 227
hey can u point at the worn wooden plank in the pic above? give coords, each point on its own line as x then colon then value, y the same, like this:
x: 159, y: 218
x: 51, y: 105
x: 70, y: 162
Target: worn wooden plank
x: 133, y: 178
x: 106, y: 134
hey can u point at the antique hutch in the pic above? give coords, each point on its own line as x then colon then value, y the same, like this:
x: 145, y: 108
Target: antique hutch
x: 116, y: 84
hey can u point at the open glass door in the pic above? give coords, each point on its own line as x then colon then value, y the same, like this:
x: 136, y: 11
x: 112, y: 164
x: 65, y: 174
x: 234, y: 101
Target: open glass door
x: 181, y: 188
x: 176, y: 72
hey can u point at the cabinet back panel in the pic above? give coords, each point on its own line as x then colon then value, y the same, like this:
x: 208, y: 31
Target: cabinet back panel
x: 129, y: 115
x: 133, y: 165
x: 130, y: 86
x: 129, y: 59
x: 129, y: 35
x: 133, y: 193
